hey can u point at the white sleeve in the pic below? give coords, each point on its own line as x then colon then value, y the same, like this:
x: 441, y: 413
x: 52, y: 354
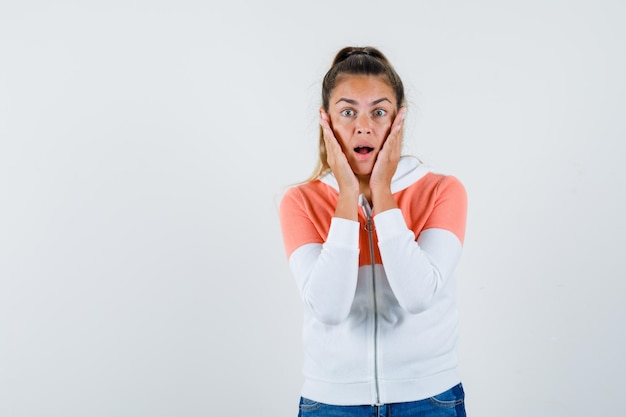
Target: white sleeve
x: 416, y: 271
x: 326, y: 275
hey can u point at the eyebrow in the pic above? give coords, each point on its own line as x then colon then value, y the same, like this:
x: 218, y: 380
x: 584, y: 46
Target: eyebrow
x: 354, y: 102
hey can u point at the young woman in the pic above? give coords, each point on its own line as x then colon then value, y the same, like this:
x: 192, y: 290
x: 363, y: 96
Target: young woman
x: 373, y: 239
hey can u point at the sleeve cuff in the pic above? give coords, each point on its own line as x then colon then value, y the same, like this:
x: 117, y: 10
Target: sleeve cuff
x: 343, y: 233
x: 389, y: 223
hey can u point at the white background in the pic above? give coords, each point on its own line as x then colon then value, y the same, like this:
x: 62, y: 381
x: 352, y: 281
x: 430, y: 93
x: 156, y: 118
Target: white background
x: 144, y: 146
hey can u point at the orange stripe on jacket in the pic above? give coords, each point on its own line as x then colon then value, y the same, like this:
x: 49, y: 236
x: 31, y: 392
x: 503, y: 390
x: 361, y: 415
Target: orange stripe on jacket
x: 434, y: 201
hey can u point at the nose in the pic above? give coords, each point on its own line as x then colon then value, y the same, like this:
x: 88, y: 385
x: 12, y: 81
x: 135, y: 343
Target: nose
x: 363, y: 125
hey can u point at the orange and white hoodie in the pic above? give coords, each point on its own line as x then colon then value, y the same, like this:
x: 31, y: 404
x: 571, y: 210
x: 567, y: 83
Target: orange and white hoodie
x: 380, y: 317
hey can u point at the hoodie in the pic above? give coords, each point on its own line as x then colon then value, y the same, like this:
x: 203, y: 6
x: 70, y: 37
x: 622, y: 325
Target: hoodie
x: 380, y: 318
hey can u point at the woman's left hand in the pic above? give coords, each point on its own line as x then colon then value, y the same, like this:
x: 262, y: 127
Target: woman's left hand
x: 389, y: 156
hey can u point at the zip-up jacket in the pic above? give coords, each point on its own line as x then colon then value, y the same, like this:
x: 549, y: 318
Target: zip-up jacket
x: 380, y: 318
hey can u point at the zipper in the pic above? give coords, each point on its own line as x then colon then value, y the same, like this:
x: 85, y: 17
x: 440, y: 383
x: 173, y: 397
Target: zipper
x: 369, y: 227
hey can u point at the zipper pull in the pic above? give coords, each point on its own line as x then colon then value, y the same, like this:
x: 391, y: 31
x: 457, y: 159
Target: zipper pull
x: 367, y: 209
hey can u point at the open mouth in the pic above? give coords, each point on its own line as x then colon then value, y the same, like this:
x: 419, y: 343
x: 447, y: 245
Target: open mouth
x: 363, y: 150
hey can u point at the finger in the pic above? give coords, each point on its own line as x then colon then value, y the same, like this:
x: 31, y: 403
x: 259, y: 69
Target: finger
x: 398, y: 122
x: 392, y: 147
x: 394, y: 138
x: 325, y: 121
x: 396, y: 129
x: 326, y: 130
x: 332, y: 144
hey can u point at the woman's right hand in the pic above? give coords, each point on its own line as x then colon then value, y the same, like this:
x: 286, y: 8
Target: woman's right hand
x: 336, y: 159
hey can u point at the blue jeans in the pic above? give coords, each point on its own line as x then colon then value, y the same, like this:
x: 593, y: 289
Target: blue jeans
x: 450, y: 403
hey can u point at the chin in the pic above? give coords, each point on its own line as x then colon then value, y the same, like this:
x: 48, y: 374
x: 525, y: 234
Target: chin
x: 362, y: 172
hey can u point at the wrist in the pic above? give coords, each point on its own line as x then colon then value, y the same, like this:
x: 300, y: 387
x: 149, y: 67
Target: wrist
x: 349, y: 192
x: 347, y: 205
x: 383, y: 200
x: 380, y: 190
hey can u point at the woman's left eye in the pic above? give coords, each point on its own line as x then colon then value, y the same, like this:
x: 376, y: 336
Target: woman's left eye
x: 380, y: 112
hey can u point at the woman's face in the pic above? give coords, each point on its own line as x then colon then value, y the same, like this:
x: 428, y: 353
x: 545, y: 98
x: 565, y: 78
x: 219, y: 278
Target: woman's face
x: 362, y: 109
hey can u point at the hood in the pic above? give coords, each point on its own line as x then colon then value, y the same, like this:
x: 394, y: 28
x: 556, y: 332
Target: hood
x: 409, y: 170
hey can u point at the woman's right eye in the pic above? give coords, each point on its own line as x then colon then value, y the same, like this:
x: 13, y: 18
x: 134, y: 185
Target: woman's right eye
x: 347, y: 113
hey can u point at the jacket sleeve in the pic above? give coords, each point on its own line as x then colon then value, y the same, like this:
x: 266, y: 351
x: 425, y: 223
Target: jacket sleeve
x: 417, y: 270
x: 325, y: 271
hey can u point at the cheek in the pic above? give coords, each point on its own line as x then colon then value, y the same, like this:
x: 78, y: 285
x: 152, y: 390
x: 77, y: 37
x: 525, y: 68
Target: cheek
x: 341, y: 134
x: 385, y: 124
x: 383, y: 130
x: 341, y: 141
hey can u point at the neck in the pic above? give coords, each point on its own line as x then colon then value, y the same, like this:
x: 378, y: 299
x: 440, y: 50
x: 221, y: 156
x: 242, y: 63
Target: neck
x: 364, y: 187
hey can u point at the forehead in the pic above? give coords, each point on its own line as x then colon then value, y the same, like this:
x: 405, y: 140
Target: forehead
x: 363, y: 88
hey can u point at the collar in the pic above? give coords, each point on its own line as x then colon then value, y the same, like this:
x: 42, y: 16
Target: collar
x: 409, y: 170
